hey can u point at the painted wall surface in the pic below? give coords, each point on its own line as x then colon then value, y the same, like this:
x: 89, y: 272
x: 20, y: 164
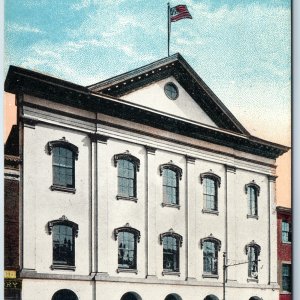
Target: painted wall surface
x: 153, y: 96
x: 42, y: 205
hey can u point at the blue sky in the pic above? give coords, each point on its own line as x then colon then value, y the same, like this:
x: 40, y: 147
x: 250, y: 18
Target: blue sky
x: 241, y: 49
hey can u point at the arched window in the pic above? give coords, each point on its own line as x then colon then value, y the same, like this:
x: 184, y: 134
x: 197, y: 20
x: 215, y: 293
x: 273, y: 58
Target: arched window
x: 171, y: 242
x: 211, y: 297
x: 128, y: 165
x: 131, y: 296
x: 128, y: 238
x: 211, y: 246
x: 253, y: 252
x: 173, y: 297
x: 211, y: 182
x: 255, y: 298
x: 252, y: 190
x: 63, y: 164
x: 171, y: 175
x: 63, y: 236
x: 64, y: 295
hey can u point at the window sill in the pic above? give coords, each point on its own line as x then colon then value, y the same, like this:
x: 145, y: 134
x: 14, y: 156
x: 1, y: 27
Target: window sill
x: 252, y: 217
x: 285, y: 293
x: 288, y: 243
x: 174, y: 273
x: 209, y: 211
x: 252, y: 280
x: 170, y: 205
x: 134, y: 199
x: 215, y: 276
x: 62, y: 267
x: 62, y: 189
x: 120, y: 270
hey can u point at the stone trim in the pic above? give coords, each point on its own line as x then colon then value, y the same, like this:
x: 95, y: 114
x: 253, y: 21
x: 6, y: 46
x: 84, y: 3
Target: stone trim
x: 62, y: 143
x: 127, y: 156
x: 164, y: 204
x: 170, y: 165
x: 133, y: 199
x: 61, y: 188
x: 209, y: 211
x: 211, y: 238
x: 63, y: 221
x: 120, y: 270
x: 127, y: 228
x: 173, y: 273
x: 254, y: 185
x: 212, y: 176
x: 171, y: 233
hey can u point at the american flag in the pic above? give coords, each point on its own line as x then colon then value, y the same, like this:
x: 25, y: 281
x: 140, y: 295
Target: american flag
x: 179, y: 12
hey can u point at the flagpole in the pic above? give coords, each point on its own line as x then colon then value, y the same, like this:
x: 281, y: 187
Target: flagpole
x: 169, y: 29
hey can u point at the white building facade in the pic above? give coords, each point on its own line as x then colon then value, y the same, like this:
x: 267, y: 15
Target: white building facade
x: 133, y: 188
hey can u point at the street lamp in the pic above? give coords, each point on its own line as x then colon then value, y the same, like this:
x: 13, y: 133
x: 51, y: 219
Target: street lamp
x: 225, y: 266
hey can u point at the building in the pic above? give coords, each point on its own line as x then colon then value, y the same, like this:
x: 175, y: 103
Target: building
x: 12, y: 284
x: 132, y: 188
x: 284, y: 242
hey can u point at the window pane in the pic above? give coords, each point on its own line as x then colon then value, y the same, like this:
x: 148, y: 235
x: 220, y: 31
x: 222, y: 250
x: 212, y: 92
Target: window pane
x: 170, y: 254
x: 252, y: 262
x: 63, y: 248
x: 127, y: 250
x: 286, y: 278
x: 63, y: 170
x: 210, y: 194
x: 252, y: 201
x: 170, y: 187
x: 210, y: 258
x: 126, y: 178
x: 286, y: 232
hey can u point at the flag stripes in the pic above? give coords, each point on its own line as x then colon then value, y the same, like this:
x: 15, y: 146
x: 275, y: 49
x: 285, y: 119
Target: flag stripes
x: 179, y: 12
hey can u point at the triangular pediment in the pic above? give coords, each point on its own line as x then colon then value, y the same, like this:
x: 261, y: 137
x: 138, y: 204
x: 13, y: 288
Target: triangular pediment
x: 196, y: 101
x: 155, y: 96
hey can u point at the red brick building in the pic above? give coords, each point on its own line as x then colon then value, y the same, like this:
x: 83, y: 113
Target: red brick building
x: 12, y: 285
x: 284, y: 242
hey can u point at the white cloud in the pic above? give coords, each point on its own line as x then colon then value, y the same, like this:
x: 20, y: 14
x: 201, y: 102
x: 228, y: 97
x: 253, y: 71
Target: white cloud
x: 14, y: 27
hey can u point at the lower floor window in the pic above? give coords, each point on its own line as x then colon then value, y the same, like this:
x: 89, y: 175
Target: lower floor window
x: 286, y: 277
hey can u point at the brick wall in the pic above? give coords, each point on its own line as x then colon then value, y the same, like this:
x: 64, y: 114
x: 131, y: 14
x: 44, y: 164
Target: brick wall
x: 11, y: 224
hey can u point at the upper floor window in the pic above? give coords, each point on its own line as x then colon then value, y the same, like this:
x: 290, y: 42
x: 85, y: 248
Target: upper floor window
x: 211, y: 182
x: 253, y: 252
x: 128, y: 238
x: 286, y: 232
x: 211, y: 246
x: 171, y: 175
x: 286, y: 278
x: 252, y: 190
x: 128, y: 165
x: 171, y: 242
x: 63, y: 237
x: 63, y: 164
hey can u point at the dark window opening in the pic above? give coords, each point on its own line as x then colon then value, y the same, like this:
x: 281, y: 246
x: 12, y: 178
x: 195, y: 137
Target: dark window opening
x: 127, y: 250
x: 126, y: 178
x: 170, y: 254
x: 170, y: 186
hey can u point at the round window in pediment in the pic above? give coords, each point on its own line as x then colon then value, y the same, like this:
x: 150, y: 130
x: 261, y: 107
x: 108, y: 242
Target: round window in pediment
x: 171, y: 90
